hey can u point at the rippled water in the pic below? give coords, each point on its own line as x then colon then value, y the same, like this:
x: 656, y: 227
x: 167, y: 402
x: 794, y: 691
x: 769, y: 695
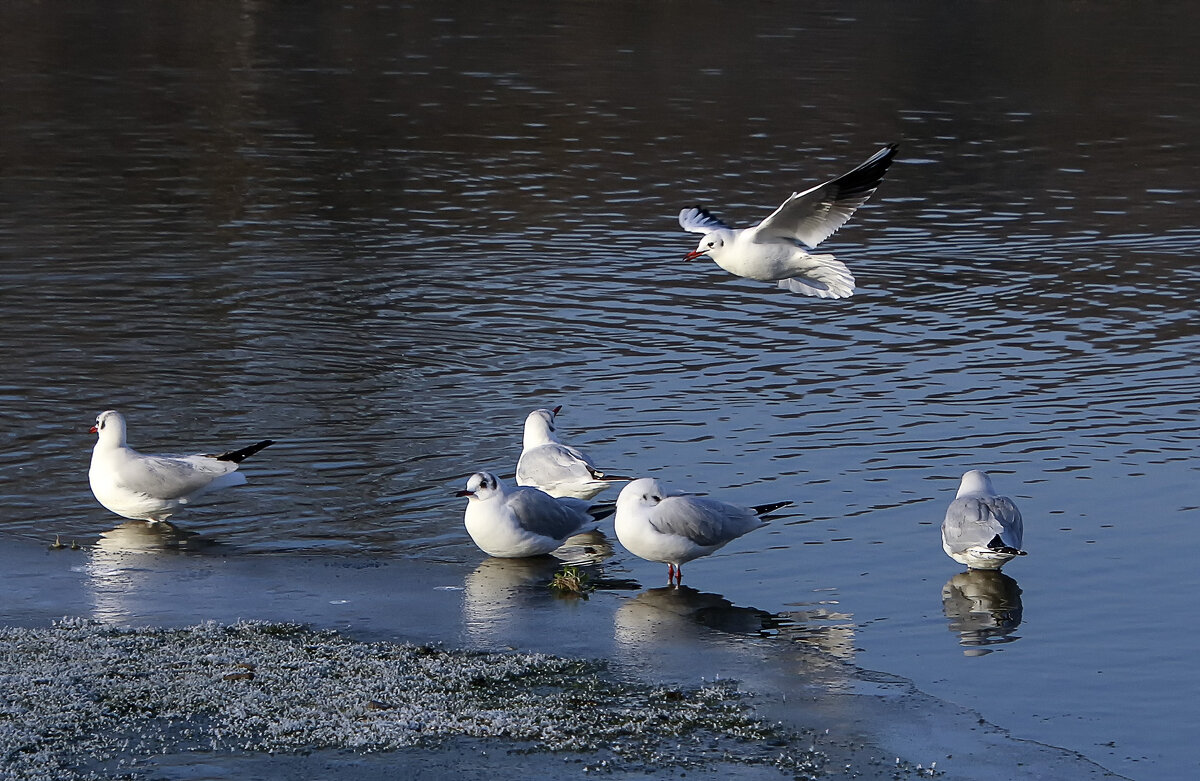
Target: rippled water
x: 381, y: 236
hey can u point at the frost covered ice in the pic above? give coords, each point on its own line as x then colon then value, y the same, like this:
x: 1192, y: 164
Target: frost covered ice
x: 83, y: 699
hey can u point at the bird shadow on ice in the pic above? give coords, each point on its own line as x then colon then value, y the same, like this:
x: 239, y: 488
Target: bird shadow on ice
x: 500, y: 591
x: 983, y: 608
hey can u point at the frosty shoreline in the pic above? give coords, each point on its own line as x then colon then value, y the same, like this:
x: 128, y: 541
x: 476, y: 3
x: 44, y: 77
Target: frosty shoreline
x: 280, y: 667
x: 82, y: 699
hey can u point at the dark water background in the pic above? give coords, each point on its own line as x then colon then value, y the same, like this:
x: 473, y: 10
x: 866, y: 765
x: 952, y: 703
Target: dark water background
x: 382, y: 234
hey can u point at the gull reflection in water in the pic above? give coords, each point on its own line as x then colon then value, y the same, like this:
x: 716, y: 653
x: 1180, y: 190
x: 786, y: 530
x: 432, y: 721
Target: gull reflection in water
x: 674, y: 614
x: 495, y: 593
x: 121, y: 566
x: 984, y: 608
x: 144, y: 537
x: 681, y: 613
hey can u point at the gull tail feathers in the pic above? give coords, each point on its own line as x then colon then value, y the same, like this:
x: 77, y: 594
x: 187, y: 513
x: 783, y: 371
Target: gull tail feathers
x: 228, y: 480
x: 829, y: 278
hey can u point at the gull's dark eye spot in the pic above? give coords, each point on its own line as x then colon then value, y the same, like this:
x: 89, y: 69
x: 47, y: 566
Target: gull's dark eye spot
x: 711, y: 243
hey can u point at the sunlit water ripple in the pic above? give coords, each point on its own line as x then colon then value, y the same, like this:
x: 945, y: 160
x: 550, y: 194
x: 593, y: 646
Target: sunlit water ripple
x: 385, y: 268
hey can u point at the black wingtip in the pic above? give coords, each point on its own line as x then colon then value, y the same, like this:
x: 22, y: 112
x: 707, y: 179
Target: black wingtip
x: 601, y: 511
x: 238, y: 456
x: 863, y: 180
x: 998, y: 546
x: 763, y: 509
x: 888, y: 152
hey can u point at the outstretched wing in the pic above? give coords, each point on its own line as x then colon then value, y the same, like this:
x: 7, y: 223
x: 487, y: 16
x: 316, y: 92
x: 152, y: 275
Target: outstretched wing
x: 698, y: 220
x: 815, y: 214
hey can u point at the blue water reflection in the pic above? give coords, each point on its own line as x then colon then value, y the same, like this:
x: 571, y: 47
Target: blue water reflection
x: 983, y: 607
x: 382, y: 235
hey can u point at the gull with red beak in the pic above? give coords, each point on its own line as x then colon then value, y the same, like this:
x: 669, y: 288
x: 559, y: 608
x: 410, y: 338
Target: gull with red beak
x: 771, y: 251
x: 557, y: 469
x: 150, y: 488
x: 674, y: 527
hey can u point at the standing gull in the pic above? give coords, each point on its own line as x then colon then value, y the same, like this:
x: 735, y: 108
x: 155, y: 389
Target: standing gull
x: 982, y: 529
x: 769, y: 251
x: 511, y: 523
x: 151, y: 488
x: 557, y: 469
x: 658, y: 525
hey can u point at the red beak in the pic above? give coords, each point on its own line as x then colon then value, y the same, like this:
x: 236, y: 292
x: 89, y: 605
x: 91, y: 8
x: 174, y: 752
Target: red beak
x: 464, y: 492
x: 693, y: 255
x: 556, y: 409
x: 93, y: 430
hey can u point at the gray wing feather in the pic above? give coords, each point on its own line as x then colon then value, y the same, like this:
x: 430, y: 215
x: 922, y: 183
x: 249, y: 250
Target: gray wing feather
x: 552, y: 463
x: 1006, y: 514
x: 976, y: 520
x: 703, y: 521
x: 167, y: 477
x: 542, y: 514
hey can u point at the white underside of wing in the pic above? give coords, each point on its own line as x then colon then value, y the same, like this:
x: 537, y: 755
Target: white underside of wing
x: 698, y: 220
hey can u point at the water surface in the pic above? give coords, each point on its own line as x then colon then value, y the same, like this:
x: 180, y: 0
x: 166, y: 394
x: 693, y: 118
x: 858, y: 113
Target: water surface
x: 381, y: 235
